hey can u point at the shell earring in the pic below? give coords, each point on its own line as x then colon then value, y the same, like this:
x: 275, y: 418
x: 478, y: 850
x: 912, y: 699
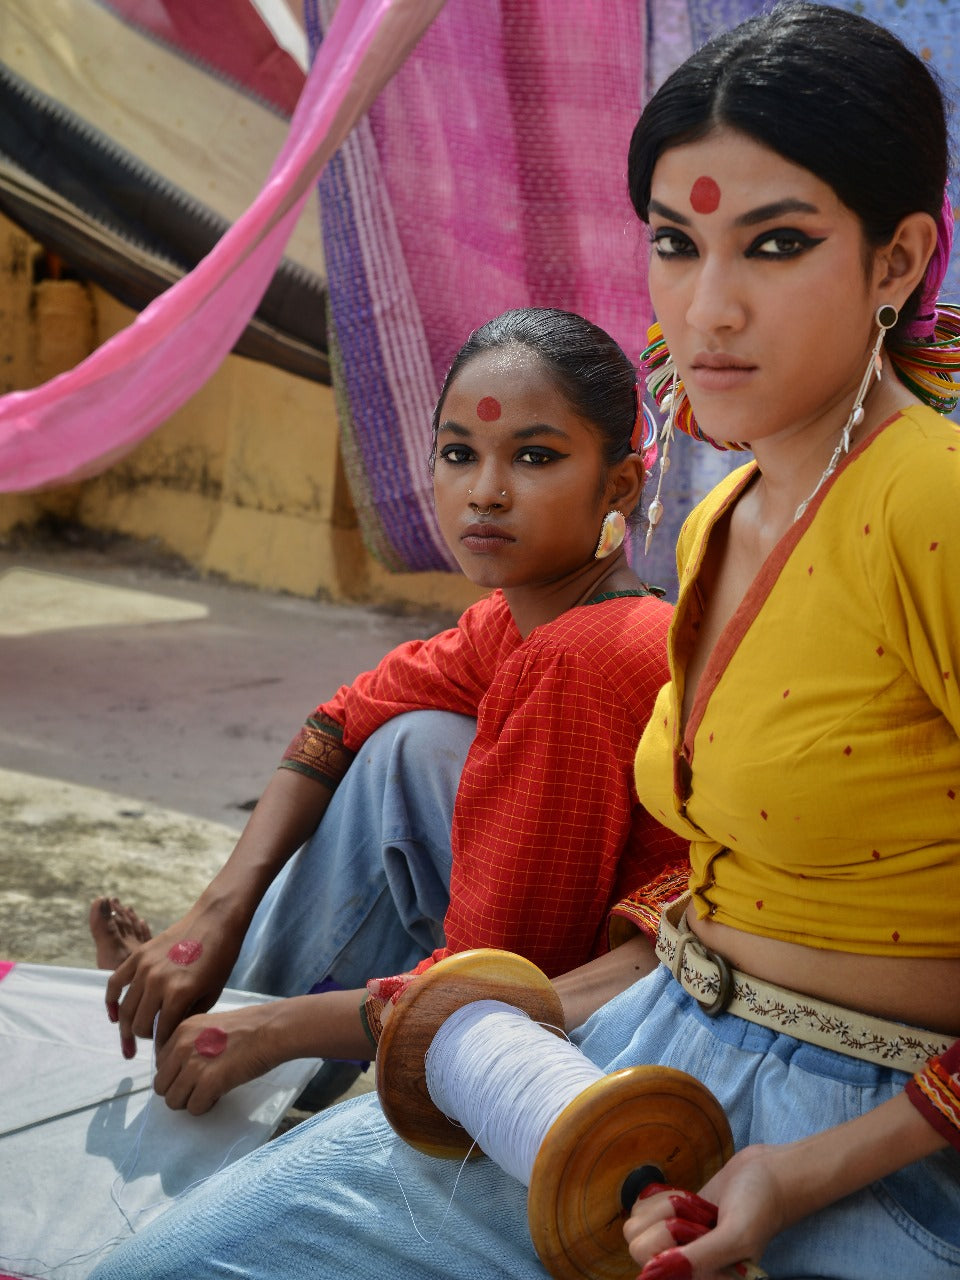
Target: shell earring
x: 612, y: 533
x: 655, y: 510
x: 885, y: 318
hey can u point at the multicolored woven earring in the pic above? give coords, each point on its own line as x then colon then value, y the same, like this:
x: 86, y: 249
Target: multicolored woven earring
x: 666, y: 386
x: 662, y: 380
x: 644, y: 437
x: 928, y: 367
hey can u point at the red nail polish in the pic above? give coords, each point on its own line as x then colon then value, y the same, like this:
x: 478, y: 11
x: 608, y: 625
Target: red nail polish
x: 653, y: 1189
x: 694, y: 1208
x: 683, y: 1231
x: 113, y: 1010
x: 128, y: 1047
x: 669, y: 1265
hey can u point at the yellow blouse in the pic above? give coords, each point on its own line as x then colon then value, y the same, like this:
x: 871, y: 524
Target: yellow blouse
x: 819, y: 775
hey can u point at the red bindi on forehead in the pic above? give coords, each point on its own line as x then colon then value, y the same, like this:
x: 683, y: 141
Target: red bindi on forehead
x: 488, y: 409
x: 704, y: 196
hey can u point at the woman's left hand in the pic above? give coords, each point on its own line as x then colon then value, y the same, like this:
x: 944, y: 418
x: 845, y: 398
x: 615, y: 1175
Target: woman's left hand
x: 676, y: 1235
x: 211, y: 1053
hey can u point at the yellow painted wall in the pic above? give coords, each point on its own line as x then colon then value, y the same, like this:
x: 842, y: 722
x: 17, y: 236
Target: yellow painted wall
x: 245, y: 480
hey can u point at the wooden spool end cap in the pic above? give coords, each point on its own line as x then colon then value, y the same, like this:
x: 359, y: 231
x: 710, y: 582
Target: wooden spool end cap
x: 636, y: 1116
x: 482, y: 974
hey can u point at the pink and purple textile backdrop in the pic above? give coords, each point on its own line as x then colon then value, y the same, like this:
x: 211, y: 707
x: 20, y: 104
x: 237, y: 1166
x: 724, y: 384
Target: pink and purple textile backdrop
x: 489, y: 173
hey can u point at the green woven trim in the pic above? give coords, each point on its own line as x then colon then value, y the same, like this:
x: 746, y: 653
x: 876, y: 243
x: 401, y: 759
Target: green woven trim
x: 642, y: 590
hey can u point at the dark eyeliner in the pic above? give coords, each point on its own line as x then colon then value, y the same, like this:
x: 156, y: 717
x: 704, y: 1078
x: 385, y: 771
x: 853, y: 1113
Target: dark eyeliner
x: 682, y: 242
x: 801, y: 240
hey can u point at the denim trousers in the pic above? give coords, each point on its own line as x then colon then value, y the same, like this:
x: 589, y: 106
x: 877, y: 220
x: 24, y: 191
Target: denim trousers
x: 366, y: 895
x: 341, y: 1196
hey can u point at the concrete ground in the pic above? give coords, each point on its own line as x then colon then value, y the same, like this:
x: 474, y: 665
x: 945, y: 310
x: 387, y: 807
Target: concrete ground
x: 142, y: 709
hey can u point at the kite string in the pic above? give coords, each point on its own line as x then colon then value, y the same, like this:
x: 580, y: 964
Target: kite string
x: 41, y: 1269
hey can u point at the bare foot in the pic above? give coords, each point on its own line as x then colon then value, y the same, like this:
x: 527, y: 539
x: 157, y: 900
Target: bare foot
x: 116, y: 931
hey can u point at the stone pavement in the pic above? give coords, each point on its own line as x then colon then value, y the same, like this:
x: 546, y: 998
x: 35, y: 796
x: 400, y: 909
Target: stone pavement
x: 142, y: 709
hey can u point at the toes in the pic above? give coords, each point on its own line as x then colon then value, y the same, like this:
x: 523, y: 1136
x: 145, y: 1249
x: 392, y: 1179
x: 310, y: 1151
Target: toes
x: 111, y: 924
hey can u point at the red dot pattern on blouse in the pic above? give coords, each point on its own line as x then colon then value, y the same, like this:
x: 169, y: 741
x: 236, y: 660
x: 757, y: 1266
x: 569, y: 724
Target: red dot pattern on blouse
x: 881, y: 652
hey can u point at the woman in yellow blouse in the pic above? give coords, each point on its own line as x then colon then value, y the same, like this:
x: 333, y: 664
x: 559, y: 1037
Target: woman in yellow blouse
x: 792, y: 176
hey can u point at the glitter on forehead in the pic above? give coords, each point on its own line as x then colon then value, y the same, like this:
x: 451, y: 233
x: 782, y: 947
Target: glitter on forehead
x: 488, y: 409
x: 704, y: 196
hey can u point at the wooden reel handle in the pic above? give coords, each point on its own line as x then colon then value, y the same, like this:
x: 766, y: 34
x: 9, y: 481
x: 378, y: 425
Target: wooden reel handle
x: 638, y: 1116
x: 422, y: 1009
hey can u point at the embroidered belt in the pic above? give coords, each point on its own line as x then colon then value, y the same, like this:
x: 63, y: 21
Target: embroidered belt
x: 717, y: 988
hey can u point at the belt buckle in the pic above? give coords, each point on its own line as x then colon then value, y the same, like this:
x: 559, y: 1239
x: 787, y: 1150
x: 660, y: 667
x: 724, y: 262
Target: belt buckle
x: 725, y: 991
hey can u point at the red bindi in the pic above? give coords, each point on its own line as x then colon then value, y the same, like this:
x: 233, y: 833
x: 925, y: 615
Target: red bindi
x: 185, y: 952
x: 211, y: 1042
x: 488, y: 409
x: 704, y: 196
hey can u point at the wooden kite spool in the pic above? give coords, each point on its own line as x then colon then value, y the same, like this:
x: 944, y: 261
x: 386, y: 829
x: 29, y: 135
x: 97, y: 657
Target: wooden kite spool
x: 637, y: 1125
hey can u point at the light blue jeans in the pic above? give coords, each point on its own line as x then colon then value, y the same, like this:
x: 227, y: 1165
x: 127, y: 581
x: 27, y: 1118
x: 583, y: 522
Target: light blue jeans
x: 366, y: 895
x: 329, y: 1200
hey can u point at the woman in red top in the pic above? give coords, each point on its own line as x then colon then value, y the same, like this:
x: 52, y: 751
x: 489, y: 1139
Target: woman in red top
x: 475, y: 789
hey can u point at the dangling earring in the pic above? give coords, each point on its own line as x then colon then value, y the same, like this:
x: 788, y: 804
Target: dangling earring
x: 886, y: 317
x: 612, y: 533
x: 655, y: 510
x: 660, y: 373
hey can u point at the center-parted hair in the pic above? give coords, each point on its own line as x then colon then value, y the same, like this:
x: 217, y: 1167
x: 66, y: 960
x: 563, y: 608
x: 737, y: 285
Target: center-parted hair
x: 589, y: 369
x: 826, y: 89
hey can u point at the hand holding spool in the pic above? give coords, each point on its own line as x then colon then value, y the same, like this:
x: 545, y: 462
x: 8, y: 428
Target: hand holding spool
x: 463, y: 1041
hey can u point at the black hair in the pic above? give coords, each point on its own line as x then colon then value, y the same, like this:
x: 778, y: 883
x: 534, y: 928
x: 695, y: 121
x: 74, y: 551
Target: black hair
x: 588, y: 368
x: 825, y: 89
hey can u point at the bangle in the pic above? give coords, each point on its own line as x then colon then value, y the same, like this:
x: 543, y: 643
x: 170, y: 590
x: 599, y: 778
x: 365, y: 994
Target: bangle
x: 370, y: 1009
x: 935, y: 1092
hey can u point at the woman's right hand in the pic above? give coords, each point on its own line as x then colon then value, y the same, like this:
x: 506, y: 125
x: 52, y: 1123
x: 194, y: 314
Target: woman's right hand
x: 180, y: 972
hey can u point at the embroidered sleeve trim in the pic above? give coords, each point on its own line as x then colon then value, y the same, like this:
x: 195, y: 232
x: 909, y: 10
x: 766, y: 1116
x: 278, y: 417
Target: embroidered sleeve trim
x: 318, y: 752
x: 936, y: 1095
x: 640, y: 911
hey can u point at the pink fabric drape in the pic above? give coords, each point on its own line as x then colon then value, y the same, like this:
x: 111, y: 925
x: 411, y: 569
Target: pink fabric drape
x: 81, y: 421
x: 231, y: 37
